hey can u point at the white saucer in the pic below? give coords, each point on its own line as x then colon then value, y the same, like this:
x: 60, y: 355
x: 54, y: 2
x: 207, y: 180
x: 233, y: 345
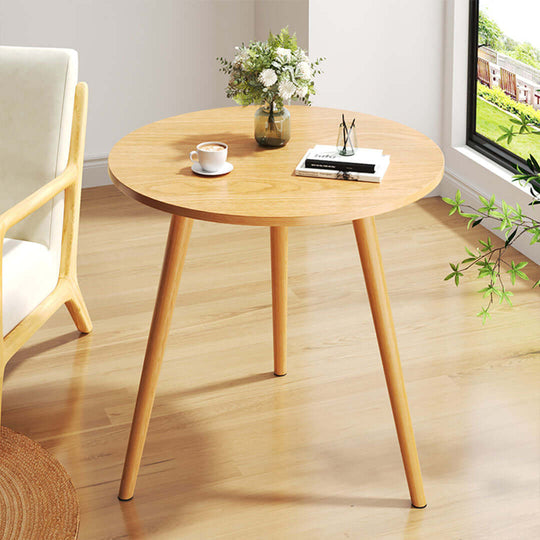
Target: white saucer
x: 227, y: 168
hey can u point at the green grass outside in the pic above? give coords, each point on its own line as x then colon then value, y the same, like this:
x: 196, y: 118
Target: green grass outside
x: 488, y: 120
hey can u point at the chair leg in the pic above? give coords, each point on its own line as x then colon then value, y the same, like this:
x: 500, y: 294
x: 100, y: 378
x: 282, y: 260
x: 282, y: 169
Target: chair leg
x: 1, y: 385
x: 77, y: 309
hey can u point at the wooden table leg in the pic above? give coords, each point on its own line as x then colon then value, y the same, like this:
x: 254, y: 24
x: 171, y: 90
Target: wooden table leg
x: 278, y: 237
x: 370, y: 256
x: 175, y: 254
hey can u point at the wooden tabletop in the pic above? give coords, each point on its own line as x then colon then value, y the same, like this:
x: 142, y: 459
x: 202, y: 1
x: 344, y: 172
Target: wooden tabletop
x: 152, y: 166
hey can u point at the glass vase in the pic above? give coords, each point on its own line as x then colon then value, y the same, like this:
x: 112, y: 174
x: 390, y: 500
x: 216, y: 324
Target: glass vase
x: 272, y: 125
x: 346, y: 140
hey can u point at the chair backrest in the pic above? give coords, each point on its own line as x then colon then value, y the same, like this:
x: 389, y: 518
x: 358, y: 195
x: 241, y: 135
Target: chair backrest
x: 484, y: 71
x: 509, y: 83
x: 37, y: 89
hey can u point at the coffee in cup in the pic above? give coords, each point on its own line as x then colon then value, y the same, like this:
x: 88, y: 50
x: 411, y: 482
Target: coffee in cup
x: 212, y: 147
x: 211, y: 155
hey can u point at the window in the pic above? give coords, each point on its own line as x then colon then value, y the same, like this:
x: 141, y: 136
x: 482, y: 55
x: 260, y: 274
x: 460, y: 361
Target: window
x: 504, y: 80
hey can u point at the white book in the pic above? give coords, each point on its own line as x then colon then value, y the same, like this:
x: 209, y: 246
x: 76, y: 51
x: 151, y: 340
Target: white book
x: 381, y: 165
x: 326, y: 152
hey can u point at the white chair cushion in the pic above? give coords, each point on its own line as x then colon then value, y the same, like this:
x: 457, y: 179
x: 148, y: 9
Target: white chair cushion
x: 29, y: 275
x: 37, y: 90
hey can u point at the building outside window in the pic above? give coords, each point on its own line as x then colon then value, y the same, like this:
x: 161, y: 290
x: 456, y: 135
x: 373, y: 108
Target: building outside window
x: 504, y: 80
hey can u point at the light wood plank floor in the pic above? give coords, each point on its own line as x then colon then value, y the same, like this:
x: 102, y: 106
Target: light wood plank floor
x: 236, y: 453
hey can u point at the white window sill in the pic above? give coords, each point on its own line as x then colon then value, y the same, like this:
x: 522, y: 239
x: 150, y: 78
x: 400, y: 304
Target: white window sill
x: 474, y: 174
x: 500, y: 174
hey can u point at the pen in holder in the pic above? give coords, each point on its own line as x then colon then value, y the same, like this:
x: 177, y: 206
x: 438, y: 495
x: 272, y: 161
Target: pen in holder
x: 346, y: 141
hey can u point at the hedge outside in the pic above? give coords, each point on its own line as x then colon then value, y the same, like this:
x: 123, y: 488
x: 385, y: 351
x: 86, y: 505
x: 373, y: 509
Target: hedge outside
x: 500, y: 99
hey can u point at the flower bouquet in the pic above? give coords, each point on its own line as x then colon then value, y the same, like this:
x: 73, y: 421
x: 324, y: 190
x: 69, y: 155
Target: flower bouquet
x: 271, y: 73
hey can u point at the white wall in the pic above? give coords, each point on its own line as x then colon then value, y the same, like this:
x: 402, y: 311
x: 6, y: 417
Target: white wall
x: 143, y: 59
x: 273, y: 15
x: 384, y: 57
x: 149, y: 59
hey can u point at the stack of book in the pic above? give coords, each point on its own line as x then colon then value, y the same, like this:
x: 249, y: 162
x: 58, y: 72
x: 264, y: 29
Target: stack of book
x: 324, y: 161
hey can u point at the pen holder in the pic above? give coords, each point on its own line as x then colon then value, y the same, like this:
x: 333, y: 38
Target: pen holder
x: 346, y: 141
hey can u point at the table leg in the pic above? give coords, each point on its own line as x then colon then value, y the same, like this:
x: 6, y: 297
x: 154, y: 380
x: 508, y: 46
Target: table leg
x: 175, y: 254
x: 370, y: 256
x: 278, y: 237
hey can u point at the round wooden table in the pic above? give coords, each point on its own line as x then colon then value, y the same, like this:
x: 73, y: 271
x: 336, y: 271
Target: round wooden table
x: 152, y: 166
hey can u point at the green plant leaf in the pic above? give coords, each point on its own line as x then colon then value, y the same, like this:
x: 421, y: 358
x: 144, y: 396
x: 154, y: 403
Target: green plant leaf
x: 519, y: 212
x: 456, y: 274
x: 511, y: 236
x: 484, y: 314
x: 534, y: 163
x: 505, y: 297
x: 515, y: 270
x: 535, y: 233
x: 487, y: 245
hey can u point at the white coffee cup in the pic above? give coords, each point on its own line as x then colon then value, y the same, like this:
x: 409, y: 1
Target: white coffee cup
x: 211, y: 155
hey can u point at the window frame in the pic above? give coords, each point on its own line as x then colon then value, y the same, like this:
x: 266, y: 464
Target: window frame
x: 475, y: 140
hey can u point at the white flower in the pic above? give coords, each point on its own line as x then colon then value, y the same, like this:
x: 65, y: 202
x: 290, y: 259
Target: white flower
x: 268, y: 77
x: 241, y: 58
x: 301, y: 91
x: 286, y: 89
x: 303, y: 70
x: 302, y: 56
x: 284, y: 53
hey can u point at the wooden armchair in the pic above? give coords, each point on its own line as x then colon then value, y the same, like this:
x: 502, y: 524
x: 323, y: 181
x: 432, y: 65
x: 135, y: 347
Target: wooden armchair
x: 42, y: 134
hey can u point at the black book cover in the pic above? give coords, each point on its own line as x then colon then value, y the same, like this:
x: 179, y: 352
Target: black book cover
x: 339, y: 166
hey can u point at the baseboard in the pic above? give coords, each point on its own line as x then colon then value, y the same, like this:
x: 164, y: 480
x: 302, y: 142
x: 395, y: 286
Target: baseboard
x: 95, y: 172
x: 452, y: 182
x: 435, y: 193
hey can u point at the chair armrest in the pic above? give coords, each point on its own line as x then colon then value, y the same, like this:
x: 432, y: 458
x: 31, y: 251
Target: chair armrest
x: 37, y: 199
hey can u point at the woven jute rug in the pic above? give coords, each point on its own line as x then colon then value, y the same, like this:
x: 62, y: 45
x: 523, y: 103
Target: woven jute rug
x: 37, y: 498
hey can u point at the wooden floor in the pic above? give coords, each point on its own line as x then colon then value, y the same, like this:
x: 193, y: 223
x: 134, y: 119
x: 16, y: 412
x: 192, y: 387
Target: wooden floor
x: 236, y: 453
